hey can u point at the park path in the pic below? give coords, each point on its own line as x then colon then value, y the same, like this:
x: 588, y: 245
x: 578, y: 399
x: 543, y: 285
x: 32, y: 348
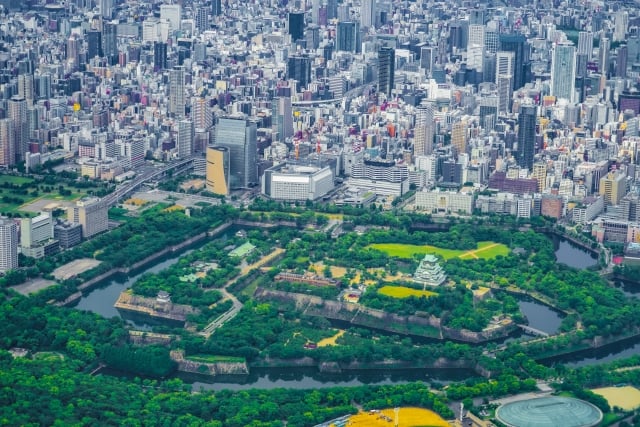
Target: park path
x: 474, y: 252
x: 237, y: 305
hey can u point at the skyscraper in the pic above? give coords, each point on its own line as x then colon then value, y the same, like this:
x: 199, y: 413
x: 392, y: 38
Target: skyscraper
x: 201, y: 18
x: 526, y: 136
x: 585, y: 44
x: 622, y: 53
x: 368, y: 13
x: 8, y: 245
x: 603, y: 55
x: 282, y: 118
x: 216, y: 7
x: 7, y: 145
x: 386, y: 70
x: 176, y: 91
x: 184, y: 140
x: 94, y: 44
x: 238, y: 135
x: 517, y: 43
x: 348, y: 37
x: 25, y: 87
x: 563, y: 71
x: 505, y: 62
x: 110, y: 42
x: 424, y: 131
x: 299, y: 69
x: 18, y: 116
x: 217, y: 175
x: 296, y: 25
x: 159, y: 56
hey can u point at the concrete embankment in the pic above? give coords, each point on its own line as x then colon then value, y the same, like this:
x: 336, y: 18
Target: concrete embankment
x: 208, y: 368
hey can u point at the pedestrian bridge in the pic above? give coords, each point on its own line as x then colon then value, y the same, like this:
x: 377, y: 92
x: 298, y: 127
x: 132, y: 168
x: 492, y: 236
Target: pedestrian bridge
x: 533, y: 331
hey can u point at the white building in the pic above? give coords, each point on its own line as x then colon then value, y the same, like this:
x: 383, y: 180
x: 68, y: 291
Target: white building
x: 444, y: 201
x: 296, y: 182
x: 8, y: 245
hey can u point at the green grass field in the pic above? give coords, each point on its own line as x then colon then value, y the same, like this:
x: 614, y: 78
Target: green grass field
x: 404, y: 292
x: 209, y: 358
x: 485, y: 250
x: 17, y: 180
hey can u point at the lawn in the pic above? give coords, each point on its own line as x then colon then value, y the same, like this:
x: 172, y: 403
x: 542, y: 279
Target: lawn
x: 404, y: 292
x: 17, y: 180
x: 485, y: 250
x: 210, y: 358
x: 407, y: 417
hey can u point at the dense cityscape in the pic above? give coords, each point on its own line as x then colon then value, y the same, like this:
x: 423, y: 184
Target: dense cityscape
x: 208, y: 189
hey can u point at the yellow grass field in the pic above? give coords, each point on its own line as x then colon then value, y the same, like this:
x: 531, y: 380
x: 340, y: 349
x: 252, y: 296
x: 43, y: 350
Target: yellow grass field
x: 627, y: 398
x: 404, y: 292
x: 331, y: 340
x: 407, y: 417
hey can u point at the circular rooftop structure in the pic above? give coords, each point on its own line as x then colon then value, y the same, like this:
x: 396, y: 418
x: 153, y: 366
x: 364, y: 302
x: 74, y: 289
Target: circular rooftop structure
x: 551, y: 411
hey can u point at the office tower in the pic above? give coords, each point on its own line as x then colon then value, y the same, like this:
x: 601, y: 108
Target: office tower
x: 238, y: 135
x: 563, y: 72
x: 282, y: 118
x: 475, y: 47
x: 91, y: 213
x: 106, y: 8
x: 201, y: 113
x: 18, y: 116
x: 312, y: 36
x: 489, y: 66
x: 36, y: 234
x: 621, y: 22
x: 299, y: 69
x: 8, y: 245
x: 505, y: 62
x: 94, y: 44
x: 459, y: 136
x: 184, y: 139
x: 386, y: 70
x: 526, y: 136
x: 491, y: 41
x: 621, y: 61
x: 332, y: 9
x: 489, y: 111
x: 585, y: 44
x: 603, y: 55
x: 348, y: 37
x: 424, y: 131
x: 216, y: 7
x: 296, y: 25
x: 43, y: 87
x: 25, y: 88
x: 477, y: 17
x: 428, y: 57
x: 316, y: 6
x: 110, y: 42
x: 368, y: 13
x: 201, y: 18
x: 458, y: 35
x: 176, y: 91
x: 517, y: 43
x: 159, y: 56
x: 172, y: 13
x: 613, y: 187
x: 217, y: 175
x: 7, y: 144
x: 581, y: 65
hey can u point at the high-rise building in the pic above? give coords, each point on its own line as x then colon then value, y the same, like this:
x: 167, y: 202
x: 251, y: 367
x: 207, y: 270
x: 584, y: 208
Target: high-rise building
x: 217, y: 177
x: 459, y: 136
x: 428, y: 57
x: 505, y: 63
x: 92, y: 214
x: 8, y: 245
x: 348, y: 37
x: 18, y: 116
x: 621, y: 61
x: 368, y: 13
x: 296, y: 25
x: 621, y: 22
x: 172, y: 13
x: 159, y: 56
x: 110, y: 41
x: 106, y: 8
x: 25, y: 88
x: 216, y: 7
x: 540, y: 175
x: 36, y: 236
x: 613, y: 187
x: 386, y: 70
x: 238, y: 135
x: 201, y: 18
x: 603, y: 55
x: 489, y: 111
x: 424, y: 131
x: 43, y: 88
x: 299, y: 69
x: 526, y: 136
x: 585, y: 44
x: 282, y: 118
x: 7, y: 143
x: 517, y: 43
x: 184, y: 139
x: 563, y: 72
x: 94, y: 44
x: 176, y: 91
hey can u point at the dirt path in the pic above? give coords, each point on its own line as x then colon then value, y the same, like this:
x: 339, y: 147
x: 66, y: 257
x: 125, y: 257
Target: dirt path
x: 474, y: 252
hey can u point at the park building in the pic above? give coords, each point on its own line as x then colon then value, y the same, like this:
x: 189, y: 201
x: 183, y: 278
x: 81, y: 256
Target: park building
x: 37, y: 237
x: 8, y: 245
x: 429, y: 272
x: 91, y: 214
x: 297, y: 182
x: 444, y: 201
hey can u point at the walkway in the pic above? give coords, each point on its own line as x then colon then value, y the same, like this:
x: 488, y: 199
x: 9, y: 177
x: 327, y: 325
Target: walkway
x: 474, y: 252
x: 237, y: 305
x: 533, y: 331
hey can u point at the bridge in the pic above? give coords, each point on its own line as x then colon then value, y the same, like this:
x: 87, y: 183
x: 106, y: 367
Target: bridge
x: 533, y: 331
x: 146, y: 176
